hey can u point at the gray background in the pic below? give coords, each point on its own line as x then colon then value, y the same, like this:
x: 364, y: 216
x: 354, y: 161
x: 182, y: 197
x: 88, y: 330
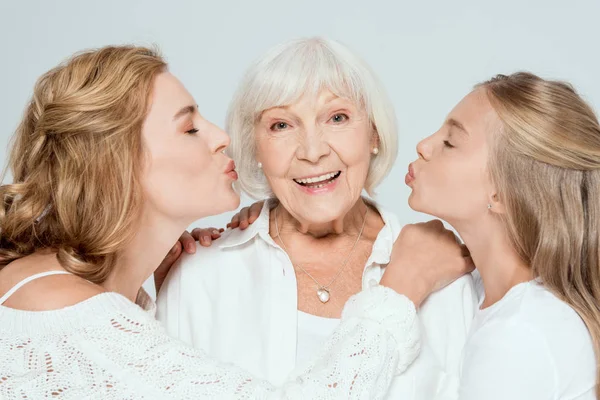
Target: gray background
x: 428, y: 54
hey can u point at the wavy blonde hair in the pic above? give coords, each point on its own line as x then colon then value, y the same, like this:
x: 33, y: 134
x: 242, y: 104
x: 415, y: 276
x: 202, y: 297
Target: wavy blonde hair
x: 545, y: 164
x: 75, y: 161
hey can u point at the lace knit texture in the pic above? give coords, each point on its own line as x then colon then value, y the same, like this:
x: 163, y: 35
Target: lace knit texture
x: 109, y: 348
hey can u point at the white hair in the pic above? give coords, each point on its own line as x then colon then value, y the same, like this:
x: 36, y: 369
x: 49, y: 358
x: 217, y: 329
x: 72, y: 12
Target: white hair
x: 285, y: 74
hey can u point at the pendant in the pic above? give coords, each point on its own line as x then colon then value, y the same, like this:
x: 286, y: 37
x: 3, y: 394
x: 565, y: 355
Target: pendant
x: 323, y: 295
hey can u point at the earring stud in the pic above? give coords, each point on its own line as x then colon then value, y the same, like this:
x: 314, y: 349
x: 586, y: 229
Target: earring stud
x: 375, y: 151
x: 259, y: 165
x: 489, y: 206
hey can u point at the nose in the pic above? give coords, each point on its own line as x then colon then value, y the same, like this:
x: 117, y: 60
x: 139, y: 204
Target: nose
x: 424, y: 148
x: 313, y: 147
x: 219, y: 139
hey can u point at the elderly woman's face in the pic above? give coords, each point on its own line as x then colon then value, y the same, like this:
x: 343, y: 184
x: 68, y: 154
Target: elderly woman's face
x: 315, y: 155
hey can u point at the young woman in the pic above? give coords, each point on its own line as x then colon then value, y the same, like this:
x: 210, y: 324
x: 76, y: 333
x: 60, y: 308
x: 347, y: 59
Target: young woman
x: 111, y: 162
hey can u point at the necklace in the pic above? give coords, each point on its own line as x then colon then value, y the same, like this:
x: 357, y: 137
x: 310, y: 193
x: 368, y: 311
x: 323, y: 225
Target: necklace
x: 323, y: 290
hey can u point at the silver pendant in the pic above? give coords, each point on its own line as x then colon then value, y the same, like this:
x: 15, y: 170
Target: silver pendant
x: 323, y: 295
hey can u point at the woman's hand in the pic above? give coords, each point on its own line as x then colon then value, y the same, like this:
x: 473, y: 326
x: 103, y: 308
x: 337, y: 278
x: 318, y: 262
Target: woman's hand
x: 246, y: 216
x: 205, y: 236
x: 186, y: 243
x: 426, y: 257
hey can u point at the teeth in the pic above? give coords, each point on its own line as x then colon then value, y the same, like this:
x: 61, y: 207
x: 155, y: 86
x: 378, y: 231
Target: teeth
x: 317, y: 178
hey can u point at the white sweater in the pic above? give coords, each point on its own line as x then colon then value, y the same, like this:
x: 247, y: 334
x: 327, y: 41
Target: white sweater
x: 109, y: 348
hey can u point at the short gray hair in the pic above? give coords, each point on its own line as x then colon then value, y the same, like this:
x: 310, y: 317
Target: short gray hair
x: 286, y: 73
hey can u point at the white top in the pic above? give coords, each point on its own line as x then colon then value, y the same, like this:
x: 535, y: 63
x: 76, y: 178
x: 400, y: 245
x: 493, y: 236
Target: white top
x: 528, y: 346
x: 313, y: 331
x: 27, y: 280
x: 108, y: 348
x: 246, y: 283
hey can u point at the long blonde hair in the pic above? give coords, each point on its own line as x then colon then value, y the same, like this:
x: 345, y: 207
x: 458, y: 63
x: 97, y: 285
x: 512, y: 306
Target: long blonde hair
x: 545, y: 163
x: 75, y: 161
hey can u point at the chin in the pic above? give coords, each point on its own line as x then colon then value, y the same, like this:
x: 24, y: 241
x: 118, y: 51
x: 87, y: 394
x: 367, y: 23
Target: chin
x: 417, y: 205
x: 226, y: 201
x: 323, y: 213
x: 231, y: 201
x: 412, y: 202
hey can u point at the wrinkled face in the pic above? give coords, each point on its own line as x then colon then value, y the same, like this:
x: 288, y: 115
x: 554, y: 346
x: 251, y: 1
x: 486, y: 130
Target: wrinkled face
x: 449, y: 179
x: 186, y: 175
x: 315, y: 155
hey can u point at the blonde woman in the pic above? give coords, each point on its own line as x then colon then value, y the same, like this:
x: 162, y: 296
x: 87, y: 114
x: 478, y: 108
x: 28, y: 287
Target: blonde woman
x: 516, y: 170
x: 110, y: 164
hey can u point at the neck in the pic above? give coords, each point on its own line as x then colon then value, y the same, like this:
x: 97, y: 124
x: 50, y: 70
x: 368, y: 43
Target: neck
x: 498, y: 263
x: 349, y: 223
x: 151, y: 243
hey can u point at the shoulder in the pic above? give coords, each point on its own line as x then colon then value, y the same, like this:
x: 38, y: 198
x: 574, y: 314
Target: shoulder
x: 457, y: 299
x: 231, y: 258
x: 534, y: 320
x: 538, y: 308
x: 552, y: 319
x: 227, y: 251
x: 46, y: 293
x: 389, y: 218
x: 446, y: 317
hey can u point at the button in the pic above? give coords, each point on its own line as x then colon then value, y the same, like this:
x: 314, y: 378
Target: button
x: 373, y: 282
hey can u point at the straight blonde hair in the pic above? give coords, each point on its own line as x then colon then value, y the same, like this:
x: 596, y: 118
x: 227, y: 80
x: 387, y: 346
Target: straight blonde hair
x: 75, y: 161
x: 545, y: 164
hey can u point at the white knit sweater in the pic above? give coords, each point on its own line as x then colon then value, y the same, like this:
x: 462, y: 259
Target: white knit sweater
x: 109, y: 348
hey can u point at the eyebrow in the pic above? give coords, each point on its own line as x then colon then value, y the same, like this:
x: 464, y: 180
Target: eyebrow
x: 455, y: 124
x: 184, y: 111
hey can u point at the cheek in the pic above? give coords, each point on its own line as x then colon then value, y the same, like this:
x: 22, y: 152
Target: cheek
x: 354, y: 152
x: 178, y: 176
x: 276, y: 156
x: 450, y: 189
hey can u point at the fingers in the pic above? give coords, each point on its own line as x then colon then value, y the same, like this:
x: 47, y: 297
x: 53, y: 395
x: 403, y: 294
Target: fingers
x: 469, y: 265
x: 161, y: 272
x: 255, y: 210
x: 244, y: 218
x: 465, y: 251
x: 171, y: 257
x: 205, y: 236
x: 188, y: 242
x: 235, y: 221
x: 435, y: 224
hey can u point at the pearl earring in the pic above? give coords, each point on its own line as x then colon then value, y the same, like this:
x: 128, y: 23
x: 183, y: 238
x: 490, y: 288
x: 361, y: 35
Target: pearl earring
x: 489, y: 206
x: 375, y: 151
x: 259, y: 165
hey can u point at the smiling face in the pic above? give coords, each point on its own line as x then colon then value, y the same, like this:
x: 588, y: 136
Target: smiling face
x: 315, y: 155
x: 449, y: 180
x: 186, y: 174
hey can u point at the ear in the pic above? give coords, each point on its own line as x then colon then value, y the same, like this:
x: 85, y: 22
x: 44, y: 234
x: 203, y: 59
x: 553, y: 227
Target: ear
x: 497, y: 205
x: 375, y: 138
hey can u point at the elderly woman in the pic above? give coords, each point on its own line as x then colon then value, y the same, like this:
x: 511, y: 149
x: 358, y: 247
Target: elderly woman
x: 311, y: 129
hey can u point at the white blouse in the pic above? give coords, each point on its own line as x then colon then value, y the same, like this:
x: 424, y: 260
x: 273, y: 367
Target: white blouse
x: 237, y: 300
x: 313, y: 331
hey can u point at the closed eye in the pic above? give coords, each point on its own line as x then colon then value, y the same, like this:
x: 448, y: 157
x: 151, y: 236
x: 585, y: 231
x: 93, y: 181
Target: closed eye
x: 448, y: 144
x: 192, y: 131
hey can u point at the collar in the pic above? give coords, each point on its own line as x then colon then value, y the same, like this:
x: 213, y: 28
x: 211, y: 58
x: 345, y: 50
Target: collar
x: 260, y: 227
x: 382, y: 247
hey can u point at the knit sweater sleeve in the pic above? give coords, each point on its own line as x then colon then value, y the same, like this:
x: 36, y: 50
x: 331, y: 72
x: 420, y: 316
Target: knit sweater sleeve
x: 377, y: 338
